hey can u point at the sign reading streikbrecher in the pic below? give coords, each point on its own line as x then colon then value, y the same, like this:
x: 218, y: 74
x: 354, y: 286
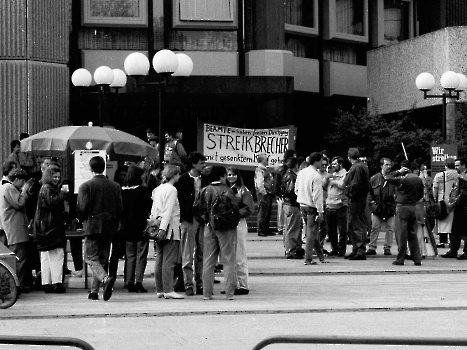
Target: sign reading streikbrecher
x: 240, y: 147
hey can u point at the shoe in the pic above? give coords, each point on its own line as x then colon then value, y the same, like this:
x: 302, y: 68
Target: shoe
x: 300, y: 251
x: 216, y: 281
x: 333, y: 253
x: 93, y: 296
x: 310, y: 262
x: 108, y: 287
x: 325, y: 251
x: 351, y: 255
x: 241, y: 291
x: 358, y: 257
x: 270, y: 233
x: 387, y: 251
x: 418, y: 264
x: 262, y: 234
x: 208, y: 298
x: 59, y: 288
x: 397, y: 263
x: 160, y: 295
x: 78, y: 274
x: 139, y: 288
x: 173, y: 295
x: 199, y: 291
x: 189, y: 291
x: 370, y: 252
x: 131, y: 287
x: 341, y: 254
x: 462, y: 257
x: 294, y: 256
x: 48, y: 288
x: 449, y: 254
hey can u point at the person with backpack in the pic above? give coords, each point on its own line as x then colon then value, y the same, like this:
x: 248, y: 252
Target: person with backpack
x: 217, y: 207
x: 174, y: 152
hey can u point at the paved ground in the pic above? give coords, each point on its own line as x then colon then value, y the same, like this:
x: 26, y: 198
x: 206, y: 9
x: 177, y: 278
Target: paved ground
x: 341, y: 298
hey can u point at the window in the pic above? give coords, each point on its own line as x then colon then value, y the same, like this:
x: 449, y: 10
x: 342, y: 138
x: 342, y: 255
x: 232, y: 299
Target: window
x: 346, y: 20
x: 211, y: 14
x: 301, y: 17
x: 396, y: 20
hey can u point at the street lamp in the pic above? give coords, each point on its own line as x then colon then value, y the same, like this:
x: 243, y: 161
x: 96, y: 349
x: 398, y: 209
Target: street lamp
x: 453, y: 84
x: 165, y: 63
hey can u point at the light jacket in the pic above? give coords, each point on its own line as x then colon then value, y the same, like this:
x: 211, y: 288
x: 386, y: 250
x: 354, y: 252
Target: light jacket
x: 15, y: 220
x: 165, y: 205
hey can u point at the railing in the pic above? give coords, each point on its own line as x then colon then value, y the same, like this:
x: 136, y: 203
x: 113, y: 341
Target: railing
x: 360, y: 341
x: 54, y: 341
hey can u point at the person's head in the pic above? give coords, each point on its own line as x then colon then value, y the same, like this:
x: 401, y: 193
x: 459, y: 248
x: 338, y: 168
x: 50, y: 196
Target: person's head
x: 171, y: 173
x: 169, y: 135
x: 386, y: 165
x: 18, y: 178
x: 179, y: 135
x: 45, y: 164
x: 234, y: 177
x: 120, y: 174
x: 291, y: 162
x: 315, y: 159
x: 449, y: 163
x: 15, y: 146
x: 51, y: 175
x: 290, y: 153
x: 23, y: 135
x: 324, y: 163
x: 134, y: 176
x: 459, y: 164
x: 263, y: 159
x: 218, y: 173
x: 415, y: 168
x: 197, y: 162
x: 353, y: 154
x: 153, y: 141
x: 8, y: 167
x: 150, y: 133
x: 406, y: 164
x: 337, y: 163
x: 97, y: 164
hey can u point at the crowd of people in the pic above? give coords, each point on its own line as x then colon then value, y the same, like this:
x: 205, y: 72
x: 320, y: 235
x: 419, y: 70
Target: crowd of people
x: 199, y: 215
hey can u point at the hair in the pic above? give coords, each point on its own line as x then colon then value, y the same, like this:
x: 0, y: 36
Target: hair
x: 217, y: 172
x: 23, y: 135
x: 150, y: 131
x: 315, y: 157
x: 14, y: 143
x: 326, y: 153
x: 406, y: 164
x: 134, y: 176
x: 170, y: 132
x: 170, y: 171
x: 414, y: 166
x: 261, y: 157
x: 353, y: 153
x: 17, y: 174
x: 8, y: 166
x: 338, y: 159
x: 239, y: 181
x: 97, y: 164
x: 381, y: 162
x: 290, y: 153
x: 291, y: 162
x: 461, y: 160
x: 449, y: 162
x: 194, y: 157
x: 47, y: 175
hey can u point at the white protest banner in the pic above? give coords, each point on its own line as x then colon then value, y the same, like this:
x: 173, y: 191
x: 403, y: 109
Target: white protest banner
x: 439, y: 154
x: 82, y: 169
x: 240, y: 146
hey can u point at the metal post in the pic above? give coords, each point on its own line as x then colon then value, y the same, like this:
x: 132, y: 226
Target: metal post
x: 443, y: 126
x: 160, y: 86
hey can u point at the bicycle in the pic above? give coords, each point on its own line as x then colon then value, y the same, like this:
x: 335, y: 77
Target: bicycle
x: 8, y: 286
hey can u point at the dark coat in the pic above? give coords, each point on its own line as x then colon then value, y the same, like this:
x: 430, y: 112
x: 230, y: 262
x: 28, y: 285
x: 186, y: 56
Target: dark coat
x: 382, y: 196
x: 137, y: 204
x: 100, y: 205
x: 186, y: 195
x: 357, y: 182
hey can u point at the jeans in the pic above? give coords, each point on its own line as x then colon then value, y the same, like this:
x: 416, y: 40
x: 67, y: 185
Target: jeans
x: 241, y: 262
x: 166, y: 258
x: 192, y: 253
x: 358, y: 220
x: 310, y: 215
x: 336, y: 219
x: 264, y: 212
x: 136, y: 260
x: 223, y: 243
x: 280, y: 215
x: 97, y: 257
x: 376, y: 223
x: 292, y: 229
x: 406, y: 230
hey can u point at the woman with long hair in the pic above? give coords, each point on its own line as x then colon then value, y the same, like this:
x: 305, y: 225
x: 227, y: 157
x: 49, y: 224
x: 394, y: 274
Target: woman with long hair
x: 136, y: 207
x: 49, y: 230
x: 165, y: 206
x: 246, y: 208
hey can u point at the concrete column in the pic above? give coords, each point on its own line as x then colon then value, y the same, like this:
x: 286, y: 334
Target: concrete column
x: 451, y: 111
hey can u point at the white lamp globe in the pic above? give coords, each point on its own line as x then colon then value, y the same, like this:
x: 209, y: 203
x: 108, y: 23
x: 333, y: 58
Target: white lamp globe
x: 165, y: 61
x: 462, y: 82
x: 103, y: 75
x: 450, y: 80
x: 119, y: 79
x: 81, y: 77
x: 136, y: 63
x: 185, y: 66
x: 425, y: 81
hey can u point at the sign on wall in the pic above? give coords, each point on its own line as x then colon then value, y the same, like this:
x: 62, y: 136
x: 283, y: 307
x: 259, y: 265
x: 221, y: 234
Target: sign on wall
x: 240, y: 147
x: 439, y: 154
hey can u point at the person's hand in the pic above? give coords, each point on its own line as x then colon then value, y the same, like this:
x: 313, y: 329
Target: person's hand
x: 404, y: 170
x: 319, y: 218
x: 26, y: 187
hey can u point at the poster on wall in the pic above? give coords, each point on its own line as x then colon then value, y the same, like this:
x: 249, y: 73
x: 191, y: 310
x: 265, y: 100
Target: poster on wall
x: 439, y: 154
x: 82, y: 170
x: 240, y: 147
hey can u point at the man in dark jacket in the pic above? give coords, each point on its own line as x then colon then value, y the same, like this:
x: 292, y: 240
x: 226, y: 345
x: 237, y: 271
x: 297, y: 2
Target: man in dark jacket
x: 357, y: 185
x: 290, y: 153
x: 99, y: 206
x: 292, y: 215
x: 383, y: 207
x: 188, y: 186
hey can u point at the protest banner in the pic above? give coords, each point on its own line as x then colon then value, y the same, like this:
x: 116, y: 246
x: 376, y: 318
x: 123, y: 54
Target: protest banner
x: 240, y: 147
x: 439, y: 154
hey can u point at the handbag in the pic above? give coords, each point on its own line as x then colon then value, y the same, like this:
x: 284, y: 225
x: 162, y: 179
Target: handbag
x: 440, y: 209
x: 154, y: 232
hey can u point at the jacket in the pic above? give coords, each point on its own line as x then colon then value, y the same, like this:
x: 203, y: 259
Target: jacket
x: 99, y: 205
x: 264, y: 181
x: 165, y: 205
x: 288, y: 188
x: 357, y: 182
x: 336, y: 198
x: 186, y: 195
x: 15, y: 220
x: 246, y: 205
x: 382, y: 196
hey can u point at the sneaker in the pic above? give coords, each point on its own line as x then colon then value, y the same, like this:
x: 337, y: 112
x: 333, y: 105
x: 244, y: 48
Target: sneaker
x: 93, y: 296
x: 160, y: 295
x: 189, y: 291
x: 387, y: 251
x: 173, y: 295
x: 108, y: 287
x: 370, y: 252
x: 310, y: 262
x: 78, y: 273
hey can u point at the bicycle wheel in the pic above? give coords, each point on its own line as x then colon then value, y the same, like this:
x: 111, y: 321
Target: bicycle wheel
x: 8, y: 288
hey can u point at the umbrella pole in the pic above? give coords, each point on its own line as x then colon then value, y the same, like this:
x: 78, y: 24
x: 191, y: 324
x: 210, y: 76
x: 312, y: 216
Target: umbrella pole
x: 161, y: 134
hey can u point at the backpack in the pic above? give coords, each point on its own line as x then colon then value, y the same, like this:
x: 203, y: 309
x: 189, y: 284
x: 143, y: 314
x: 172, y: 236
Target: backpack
x: 224, y: 213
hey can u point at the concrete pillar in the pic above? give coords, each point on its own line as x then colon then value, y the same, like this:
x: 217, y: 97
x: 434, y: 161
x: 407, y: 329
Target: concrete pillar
x: 451, y: 111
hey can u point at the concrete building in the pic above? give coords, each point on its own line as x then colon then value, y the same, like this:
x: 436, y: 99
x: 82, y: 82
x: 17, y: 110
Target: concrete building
x: 257, y: 63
